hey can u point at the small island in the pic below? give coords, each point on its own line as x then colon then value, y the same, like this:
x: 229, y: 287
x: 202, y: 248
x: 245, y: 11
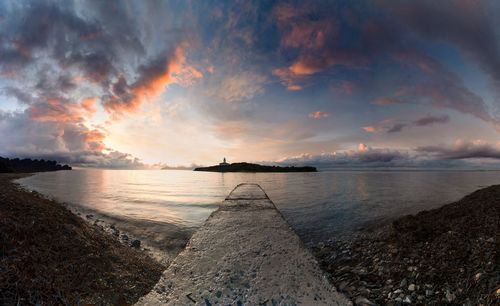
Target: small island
x: 249, y: 167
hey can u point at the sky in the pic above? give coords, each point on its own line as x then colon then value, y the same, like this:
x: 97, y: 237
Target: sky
x: 134, y: 84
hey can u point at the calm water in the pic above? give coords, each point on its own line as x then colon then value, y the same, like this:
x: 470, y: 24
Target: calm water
x: 317, y: 205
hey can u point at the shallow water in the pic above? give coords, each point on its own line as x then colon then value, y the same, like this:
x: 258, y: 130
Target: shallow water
x: 317, y: 205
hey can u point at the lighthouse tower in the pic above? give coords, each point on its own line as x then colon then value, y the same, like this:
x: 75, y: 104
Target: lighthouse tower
x: 224, y: 163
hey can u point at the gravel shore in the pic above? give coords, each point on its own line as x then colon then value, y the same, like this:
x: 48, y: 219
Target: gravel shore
x: 50, y: 256
x: 447, y: 256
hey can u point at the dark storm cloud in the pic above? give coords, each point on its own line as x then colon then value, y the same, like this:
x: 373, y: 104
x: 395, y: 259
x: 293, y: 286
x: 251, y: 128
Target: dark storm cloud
x: 38, y: 25
x: 439, y: 88
x: 469, y: 24
x: 85, y: 43
x: 424, y: 121
x: 398, y: 127
x: 21, y: 96
x: 429, y: 120
x: 463, y: 150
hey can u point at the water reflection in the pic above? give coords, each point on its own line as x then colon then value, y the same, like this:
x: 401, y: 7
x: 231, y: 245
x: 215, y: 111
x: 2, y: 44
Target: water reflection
x: 317, y: 205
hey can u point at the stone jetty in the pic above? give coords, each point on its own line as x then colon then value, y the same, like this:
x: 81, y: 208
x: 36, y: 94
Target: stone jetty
x: 244, y: 254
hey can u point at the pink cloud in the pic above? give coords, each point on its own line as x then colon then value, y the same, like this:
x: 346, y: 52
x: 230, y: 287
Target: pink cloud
x: 369, y: 129
x: 318, y: 115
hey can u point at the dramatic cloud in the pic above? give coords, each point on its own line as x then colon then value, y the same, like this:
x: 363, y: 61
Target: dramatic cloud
x: 364, y: 156
x: 463, y: 150
x: 153, y: 79
x: 63, y: 50
x: 468, y: 24
x: 79, y: 79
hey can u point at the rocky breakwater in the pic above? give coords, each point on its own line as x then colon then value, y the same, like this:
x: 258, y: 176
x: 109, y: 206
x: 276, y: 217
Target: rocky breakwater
x: 444, y: 256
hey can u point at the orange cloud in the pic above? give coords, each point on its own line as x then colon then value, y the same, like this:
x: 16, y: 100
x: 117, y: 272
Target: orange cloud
x: 89, y: 105
x: 56, y: 111
x: 362, y: 147
x: 288, y: 79
x: 369, y: 129
x: 294, y: 87
x: 318, y: 115
x: 152, y: 83
x: 303, y: 68
x: 94, y: 140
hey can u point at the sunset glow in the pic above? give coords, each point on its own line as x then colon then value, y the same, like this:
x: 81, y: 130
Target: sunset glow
x: 144, y: 84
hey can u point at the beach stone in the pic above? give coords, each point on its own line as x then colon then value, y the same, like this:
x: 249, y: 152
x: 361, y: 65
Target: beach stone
x: 411, y: 287
x: 362, y: 301
x: 403, y: 283
x: 136, y: 244
x: 449, y: 296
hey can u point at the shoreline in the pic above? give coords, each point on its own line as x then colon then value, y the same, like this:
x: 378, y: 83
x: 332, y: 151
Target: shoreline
x: 386, y: 263
x: 448, y: 255
x: 50, y: 255
x: 128, y: 232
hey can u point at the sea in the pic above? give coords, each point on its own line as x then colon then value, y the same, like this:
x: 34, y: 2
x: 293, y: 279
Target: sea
x: 166, y: 206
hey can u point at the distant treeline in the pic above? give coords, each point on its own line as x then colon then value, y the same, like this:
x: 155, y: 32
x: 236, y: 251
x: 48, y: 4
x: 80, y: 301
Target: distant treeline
x: 17, y: 165
x: 248, y: 167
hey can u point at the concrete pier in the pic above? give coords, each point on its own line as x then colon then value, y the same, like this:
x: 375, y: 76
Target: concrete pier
x: 244, y: 254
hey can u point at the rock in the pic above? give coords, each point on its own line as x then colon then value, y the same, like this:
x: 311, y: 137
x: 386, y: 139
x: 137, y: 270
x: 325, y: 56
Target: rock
x: 403, y: 283
x: 136, y: 244
x: 364, y: 291
x: 361, y: 300
x: 407, y: 300
x: 343, y: 285
x: 411, y: 287
x: 124, y: 237
x: 449, y: 296
x: 89, y: 216
x: 477, y: 276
